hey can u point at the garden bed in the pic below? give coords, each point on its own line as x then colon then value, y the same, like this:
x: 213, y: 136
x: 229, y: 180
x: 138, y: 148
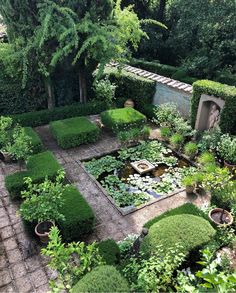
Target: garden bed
x: 128, y: 190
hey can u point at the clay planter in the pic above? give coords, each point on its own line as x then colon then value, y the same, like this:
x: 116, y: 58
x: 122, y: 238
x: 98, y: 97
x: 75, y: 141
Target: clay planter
x: 216, y: 214
x: 231, y: 167
x: 6, y: 157
x: 189, y: 189
x: 42, y: 230
x: 129, y: 103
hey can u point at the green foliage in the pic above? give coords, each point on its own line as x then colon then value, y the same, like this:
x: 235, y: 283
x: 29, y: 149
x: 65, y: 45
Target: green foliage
x: 209, y: 140
x: 6, y: 125
x: 131, y: 86
x: 188, y: 181
x: 187, y: 208
x: 38, y: 167
x: 74, y: 131
x: 225, y: 92
x: 134, y: 134
x: 35, y: 141
x: 165, y: 114
x: 189, y: 231
x: 190, y: 149
x: 43, y: 201
x: 227, y: 148
x: 110, y: 252
x: 45, y: 116
x: 78, y: 215
x: 102, y: 279
x: 149, y: 110
x: 176, y: 140
x: 206, y: 158
x: 122, y: 119
x: 155, y: 274
x: 165, y: 132
x: 105, y: 91
x: 97, y: 167
x: 71, y: 261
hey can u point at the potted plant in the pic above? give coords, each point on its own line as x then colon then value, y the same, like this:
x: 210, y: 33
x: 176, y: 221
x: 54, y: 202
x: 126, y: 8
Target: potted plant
x: 165, y: 133
x: 189, y: 183
x: 198, y: 177
x: 176, y: 140
x: 227, y: 151
x: 6, y: 125
x: 42, y: 203
x: 190, y: 149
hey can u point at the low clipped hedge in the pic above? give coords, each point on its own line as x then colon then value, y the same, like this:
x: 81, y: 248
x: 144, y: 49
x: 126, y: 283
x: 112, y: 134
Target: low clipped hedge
x: 123, y: 119
x: 79, y: 216
x: 225, y: 92
x: 36, y: 143
x: 110, y: 251
x: 38, y: 167
x: 102, y: 279
x: 187, y: 208
x: 131, y: 86
x: 190, y: 231
x: 74, y: 131
x: 45, y: 116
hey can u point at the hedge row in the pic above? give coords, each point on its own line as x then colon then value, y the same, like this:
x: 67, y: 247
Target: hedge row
x: 131, y: 86
x: 74, y: 131
x: 36, y: 143
x: 110, y: 251
x: 225, y: 92
x: 79, y: 217
x: 45, y: 116
x: 38, y: 167
x: 123, y: 119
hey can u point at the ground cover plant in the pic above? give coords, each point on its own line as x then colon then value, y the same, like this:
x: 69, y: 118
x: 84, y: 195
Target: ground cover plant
x: 74, y: 131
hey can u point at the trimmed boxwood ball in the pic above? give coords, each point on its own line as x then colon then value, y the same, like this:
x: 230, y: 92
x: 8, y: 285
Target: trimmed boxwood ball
x: 79, y: 216
x: 190, y: 231
x: 110, y: 251
x: 102, y: 279
x: 123, y: 119
x: 74, y: 131
x: 36, y: 143
x: 38, y: 167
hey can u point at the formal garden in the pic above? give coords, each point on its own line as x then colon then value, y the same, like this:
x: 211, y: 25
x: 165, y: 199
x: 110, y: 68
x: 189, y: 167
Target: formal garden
x: 103, y: 187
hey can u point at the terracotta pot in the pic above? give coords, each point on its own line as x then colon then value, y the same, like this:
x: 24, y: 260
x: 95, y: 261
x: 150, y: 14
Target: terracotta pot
x: 6, y: 157
x: 231, y: 167
x: 42, y: 230
x: 216, y: 214
x: 189, y: 188
x: 129, y: 103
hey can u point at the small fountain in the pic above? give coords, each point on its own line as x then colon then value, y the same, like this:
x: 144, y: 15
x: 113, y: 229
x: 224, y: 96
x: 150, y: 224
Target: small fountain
x: 142, y: 166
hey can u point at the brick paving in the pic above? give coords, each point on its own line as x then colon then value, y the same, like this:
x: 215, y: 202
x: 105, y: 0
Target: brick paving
x: 19, y: 274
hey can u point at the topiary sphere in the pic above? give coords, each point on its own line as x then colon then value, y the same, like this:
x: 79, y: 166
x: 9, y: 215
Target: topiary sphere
x: 188, y: 230
x: 102, y: 279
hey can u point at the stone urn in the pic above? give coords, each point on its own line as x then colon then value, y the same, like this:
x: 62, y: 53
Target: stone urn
x: 6, y: 157
x: 129, y: 103
x: 221, y: 217
x: 42, y: 230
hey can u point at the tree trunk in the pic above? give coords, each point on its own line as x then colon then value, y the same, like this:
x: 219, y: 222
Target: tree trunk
x: 82, y: 83
x: 161, y: 11
x: 50, y: 92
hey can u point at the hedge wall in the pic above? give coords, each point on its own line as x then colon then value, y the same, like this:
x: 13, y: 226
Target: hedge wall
x: 131, y: 86
x: 225, y: 92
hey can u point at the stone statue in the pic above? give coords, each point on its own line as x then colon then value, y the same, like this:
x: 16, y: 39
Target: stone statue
x: 214, y: 116
x: 137, y: 243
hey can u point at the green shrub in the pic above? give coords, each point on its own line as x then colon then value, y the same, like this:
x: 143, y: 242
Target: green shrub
x: 102, y: 279
x: 190, y: 149
x: 36, y: 143
x: 38, y: 167
x: 189, y: 231
x: 131, y: 86
x: 149, y: 110
x: 225, y: 92
x: 110, y: 251
x: 79, y: 217
x: 165, y: 132
x: 176, y: 140
x: 74, y: 131
x: 45, y: 116
x: 123, y: 119
x: 187, y: 208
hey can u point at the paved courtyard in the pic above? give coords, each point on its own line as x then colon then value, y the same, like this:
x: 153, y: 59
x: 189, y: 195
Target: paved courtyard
x: 20, y: 274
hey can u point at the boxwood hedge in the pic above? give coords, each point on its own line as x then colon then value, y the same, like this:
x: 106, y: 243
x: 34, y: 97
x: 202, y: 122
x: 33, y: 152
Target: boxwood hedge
x: 225, y: 92
x: 79, y: 216
x: 38, y: 167
x: 102, y: 279
x: 123, y: 119
x: 110, y: 251
x: 74, y: 131
x: 36, y: 143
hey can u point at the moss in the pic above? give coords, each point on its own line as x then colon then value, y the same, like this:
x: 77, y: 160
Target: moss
x: 79, y: 217
x: 74, y: 131
x: 36, y: 143
x: 110, y: 251
x: 102, y: 279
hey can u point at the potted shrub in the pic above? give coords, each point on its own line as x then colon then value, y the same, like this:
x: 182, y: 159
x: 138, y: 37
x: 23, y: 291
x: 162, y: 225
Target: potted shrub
x: 6, y: 125
x: 227, y: 151
x: 176, y: 140
x: 190, y: 149
x: 165, y: 133
x: 198, y: 177
x: 42, y: 203
x: 189, y: 183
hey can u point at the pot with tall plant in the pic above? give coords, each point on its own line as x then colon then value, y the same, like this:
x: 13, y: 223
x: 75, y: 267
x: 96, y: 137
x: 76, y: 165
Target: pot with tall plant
x: 227, y: 151
x: 42, y: 203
